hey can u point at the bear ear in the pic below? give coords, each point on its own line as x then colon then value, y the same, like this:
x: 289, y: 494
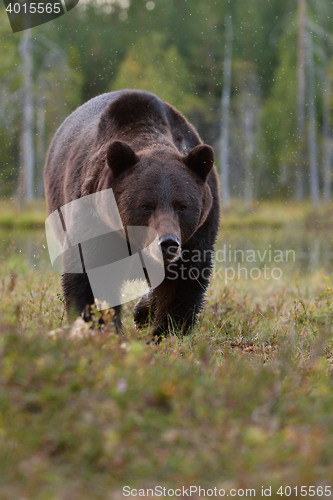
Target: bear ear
x: 200, y: 160
x: 120, y: 157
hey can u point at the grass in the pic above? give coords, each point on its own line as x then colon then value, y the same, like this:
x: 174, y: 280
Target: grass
x: 264, y: 213
x: 244, y: 402
x: 277, y: 214
x: 31, y: 216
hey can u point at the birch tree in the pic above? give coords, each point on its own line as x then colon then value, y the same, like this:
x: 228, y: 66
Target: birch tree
x: 225, y: 110
x: 40, y: 143
x: 327, y: 139
x: 248, y: 128
x: 28, y: 154
x: 314, y: 176
x: 301, y: 97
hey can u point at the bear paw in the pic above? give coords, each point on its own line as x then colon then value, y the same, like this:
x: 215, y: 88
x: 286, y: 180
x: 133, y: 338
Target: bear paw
x: 143, y: 311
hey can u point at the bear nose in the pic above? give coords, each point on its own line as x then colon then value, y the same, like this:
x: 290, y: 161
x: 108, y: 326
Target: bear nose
x: 169, y: 244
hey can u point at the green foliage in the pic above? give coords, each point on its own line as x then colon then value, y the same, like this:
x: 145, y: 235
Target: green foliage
x: 176, y: 50
x: 153, y: 65
x: 10, y: 93
x: 280, y: 110
x: 280, y: 140
x: 54, y: 80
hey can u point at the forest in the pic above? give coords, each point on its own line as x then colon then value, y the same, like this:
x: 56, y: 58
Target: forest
x: 242, y: 405
x: 253, y: 77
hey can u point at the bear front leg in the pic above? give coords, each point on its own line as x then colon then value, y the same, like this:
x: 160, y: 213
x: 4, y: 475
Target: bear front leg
x: 144, y: 310
x: 177, y: 306
x: 79, y: 298
x: 77, y: 294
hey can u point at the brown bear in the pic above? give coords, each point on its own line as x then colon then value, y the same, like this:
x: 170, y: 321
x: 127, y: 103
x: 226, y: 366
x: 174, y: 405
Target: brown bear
x: 162, y: 176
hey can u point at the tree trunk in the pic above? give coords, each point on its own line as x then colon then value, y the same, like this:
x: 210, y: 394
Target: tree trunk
x: 225, y: 110
x: 248, y: 125
x: 314, y: 177
x: 327, y: 138
x: 28, y: 158
x: 301, y: 97
x: 40, y: 146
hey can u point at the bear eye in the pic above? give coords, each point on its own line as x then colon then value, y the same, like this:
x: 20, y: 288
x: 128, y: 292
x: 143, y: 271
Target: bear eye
x: 146, y: 207
x: 182, y: 207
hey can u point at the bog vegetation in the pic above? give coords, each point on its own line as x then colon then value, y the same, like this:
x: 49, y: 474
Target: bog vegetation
x: 245, y: 401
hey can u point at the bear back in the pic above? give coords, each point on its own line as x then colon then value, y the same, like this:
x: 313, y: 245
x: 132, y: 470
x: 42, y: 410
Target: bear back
x: 77, y: 153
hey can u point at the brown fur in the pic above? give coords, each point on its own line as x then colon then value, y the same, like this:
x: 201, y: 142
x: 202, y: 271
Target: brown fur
x: 162, y: 177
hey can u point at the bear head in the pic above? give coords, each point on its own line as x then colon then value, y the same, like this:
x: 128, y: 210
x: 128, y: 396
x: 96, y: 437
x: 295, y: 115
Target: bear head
x: 159, y: 188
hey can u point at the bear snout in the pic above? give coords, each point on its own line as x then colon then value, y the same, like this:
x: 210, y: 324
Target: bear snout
x: 170, y: 246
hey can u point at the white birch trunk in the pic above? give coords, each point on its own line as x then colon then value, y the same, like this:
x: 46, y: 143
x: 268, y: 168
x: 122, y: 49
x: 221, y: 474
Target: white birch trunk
x: 249, y: 149
x: 301, y: 97
x: 225, y: 110
x: 327, y: 156
x: 28, y: 157
x: 314, y: 176
x: 40, y: 146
